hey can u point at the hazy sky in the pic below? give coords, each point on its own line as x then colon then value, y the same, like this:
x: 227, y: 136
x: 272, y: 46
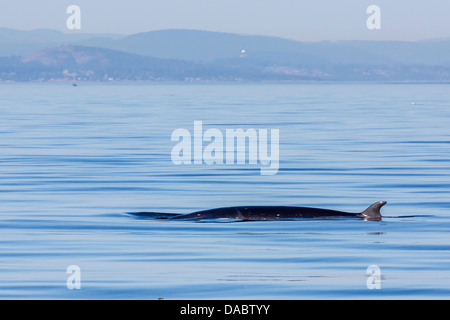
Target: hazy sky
x: 295, y: 19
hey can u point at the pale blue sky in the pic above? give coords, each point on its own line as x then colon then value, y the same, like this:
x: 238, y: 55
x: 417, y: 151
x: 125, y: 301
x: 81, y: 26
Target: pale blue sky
x: 294, y: 19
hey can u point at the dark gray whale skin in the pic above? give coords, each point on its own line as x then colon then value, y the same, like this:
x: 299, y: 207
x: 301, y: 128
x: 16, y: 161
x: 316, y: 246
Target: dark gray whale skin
x: 372, y: 213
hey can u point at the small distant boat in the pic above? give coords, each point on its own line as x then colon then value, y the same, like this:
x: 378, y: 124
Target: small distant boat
x: 74, y: 84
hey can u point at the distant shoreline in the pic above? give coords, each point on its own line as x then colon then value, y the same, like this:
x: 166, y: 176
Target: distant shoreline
x: 219, y: 82
x: 193, y: 55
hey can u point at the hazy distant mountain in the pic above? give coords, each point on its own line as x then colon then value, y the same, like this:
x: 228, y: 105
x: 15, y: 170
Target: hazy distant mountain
x: 195, y: 45
x: 198, y: 45
x: 208, y: 46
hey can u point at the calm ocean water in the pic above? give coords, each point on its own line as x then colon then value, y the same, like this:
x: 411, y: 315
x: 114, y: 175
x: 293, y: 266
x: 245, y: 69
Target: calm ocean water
x: 74, y: 161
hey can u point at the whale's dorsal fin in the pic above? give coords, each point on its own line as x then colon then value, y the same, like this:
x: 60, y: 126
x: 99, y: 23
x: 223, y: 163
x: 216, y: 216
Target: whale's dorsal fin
x: 373, y: 212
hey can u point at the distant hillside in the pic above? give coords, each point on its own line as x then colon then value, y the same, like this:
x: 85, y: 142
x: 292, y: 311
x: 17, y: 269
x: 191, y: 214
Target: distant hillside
x: 82, y: 63
x: 90, y: 64
x: 23, y: 42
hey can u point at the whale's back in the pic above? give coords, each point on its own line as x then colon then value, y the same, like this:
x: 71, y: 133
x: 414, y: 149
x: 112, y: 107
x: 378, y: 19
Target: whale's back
x: 264, y: 213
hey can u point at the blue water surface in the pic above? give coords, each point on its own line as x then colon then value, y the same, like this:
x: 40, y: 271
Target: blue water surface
x: 74, y: 161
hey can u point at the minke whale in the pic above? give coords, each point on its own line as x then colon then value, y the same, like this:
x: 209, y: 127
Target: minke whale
x: 372, y: 213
